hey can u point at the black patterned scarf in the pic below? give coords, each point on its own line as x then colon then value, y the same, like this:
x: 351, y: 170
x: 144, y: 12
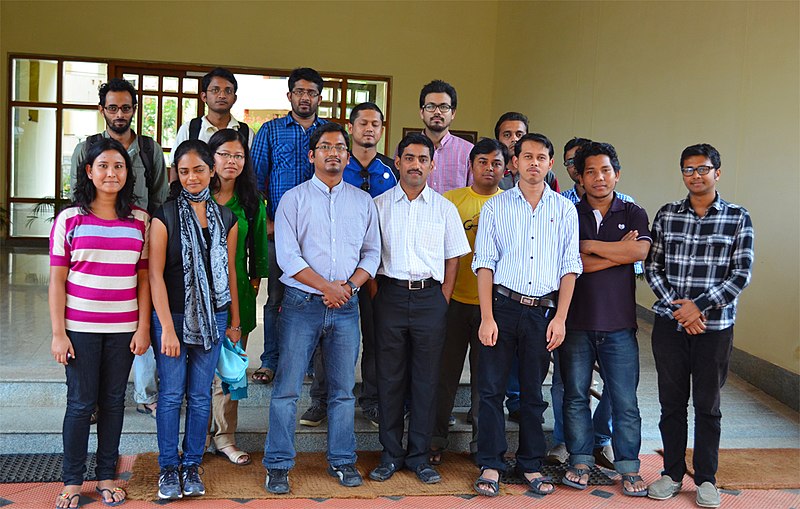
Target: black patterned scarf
x: 205, y: 270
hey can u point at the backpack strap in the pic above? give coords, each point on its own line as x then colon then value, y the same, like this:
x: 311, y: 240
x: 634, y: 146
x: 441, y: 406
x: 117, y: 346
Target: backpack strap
x: 194, y: 128
x: 147, y: 150
x: 245, y: 130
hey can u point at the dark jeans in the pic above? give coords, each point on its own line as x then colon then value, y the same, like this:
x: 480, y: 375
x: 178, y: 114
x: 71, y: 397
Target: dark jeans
x: 463, y: 321
x: 409, y: 337
x: 699, y: 362
x: 521, y: 331
x: 97, y: 376
x: 275, y: 289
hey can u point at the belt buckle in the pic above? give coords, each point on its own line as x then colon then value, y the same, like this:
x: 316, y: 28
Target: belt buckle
x: 413, y: 286
x: 527, y: 301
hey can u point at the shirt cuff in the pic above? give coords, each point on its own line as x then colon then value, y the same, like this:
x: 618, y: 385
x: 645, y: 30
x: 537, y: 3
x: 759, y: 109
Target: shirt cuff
x: 702, y: 302
x: 483, y: 263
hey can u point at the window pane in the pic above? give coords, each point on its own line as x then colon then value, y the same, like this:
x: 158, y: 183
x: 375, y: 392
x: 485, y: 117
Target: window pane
x: 190, y: 85
x: 189, y: 109
x: 169, y: 121
x: 150, y: 83
x: 82, y: 81
x: 170, y: 84
x: 133, y: 78
x: 149, y: 115
x: 331, y: 95
x: 77, y: 125
x: 27, y: 223
x: 33, y: 152
x: 35, y: 80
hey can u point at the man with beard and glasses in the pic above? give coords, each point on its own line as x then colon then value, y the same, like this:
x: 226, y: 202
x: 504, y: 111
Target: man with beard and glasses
x: 280, y: 161
x: 374, y: 173
x: 218, y: 92
x: 437, y: 108
x: 118, y: 107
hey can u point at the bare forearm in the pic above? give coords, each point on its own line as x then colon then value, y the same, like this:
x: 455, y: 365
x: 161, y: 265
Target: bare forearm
x: 143, y: 299
x: 57, y: 300
x: 565, y: 290
x: 310, y: 278
x: 485, y: 286
x: 594, y: 263
x: 621, y: 252
x: 359, y: 277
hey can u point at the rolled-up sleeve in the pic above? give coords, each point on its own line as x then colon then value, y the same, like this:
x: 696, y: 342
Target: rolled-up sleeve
x: 486, y: 252
x: 570, y: 252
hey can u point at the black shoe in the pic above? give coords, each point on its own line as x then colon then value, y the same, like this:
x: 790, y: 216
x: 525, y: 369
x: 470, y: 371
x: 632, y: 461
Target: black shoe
x: 348, y: 475
x: 384, y: 472
x: 469, y: 416
x: 427, y: 474
x: 604, y: 456
x: 514, y: 416
x: 278, y: 481
x: 192, y: 483
x: 169, y: 484
x: 372, y: 415
x: 315, y: 415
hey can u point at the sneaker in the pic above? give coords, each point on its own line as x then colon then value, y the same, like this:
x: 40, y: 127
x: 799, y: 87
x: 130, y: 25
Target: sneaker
x: 192, y: 483
x: 707, y: 495
x: 348, y: 475
x: 372, y: 415
x: 277, y: 481
x: 558, y: 455
x: 314, y: 416
x: 169, y: 484
x: 664, y: 488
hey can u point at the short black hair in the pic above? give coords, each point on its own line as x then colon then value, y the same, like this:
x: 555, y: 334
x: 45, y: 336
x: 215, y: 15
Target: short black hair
x: 364, y: 106
x: 415, y: 139
x: 438, y: 87
x: 488, y: 146
x: 575, y: 142
x: 85, y: 191
x: 505, y: 117
x: 308, y: 74
x: 538, y: 138
x: 116, y: 85
x: 220, y: 72
x: 705, y: 150
x: 595, y: 148
x: 330, y: 127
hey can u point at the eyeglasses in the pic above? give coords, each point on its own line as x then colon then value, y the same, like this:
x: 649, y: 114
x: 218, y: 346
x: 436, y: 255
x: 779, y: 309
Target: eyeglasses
x: 300, y: 92
x: 113, y: 108
x: 569, y: 162
x: 217, y: 90
x: 236, y: 157
x: 364, y: 174
x: 430, y: 107
x: 701, y: 170
x: 327, y: 148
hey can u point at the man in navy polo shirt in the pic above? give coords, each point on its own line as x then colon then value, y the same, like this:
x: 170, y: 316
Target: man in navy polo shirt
x: 601, y: 323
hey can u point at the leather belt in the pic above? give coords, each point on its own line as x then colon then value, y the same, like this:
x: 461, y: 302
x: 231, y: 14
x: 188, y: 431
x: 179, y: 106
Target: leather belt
x: 414, y: 285
x: 545, y: 301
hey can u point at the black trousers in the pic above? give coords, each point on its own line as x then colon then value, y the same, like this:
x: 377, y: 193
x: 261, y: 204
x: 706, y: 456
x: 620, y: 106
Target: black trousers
x: 700, y: 362
x: 369, y: 387
x: 409, y: 336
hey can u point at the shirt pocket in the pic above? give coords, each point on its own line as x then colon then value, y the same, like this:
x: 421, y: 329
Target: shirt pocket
x: 675, y: 244
x: 717, y: 249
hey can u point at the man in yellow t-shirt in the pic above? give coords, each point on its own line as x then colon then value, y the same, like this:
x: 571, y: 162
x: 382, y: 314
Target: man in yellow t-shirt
x: 487, y: 160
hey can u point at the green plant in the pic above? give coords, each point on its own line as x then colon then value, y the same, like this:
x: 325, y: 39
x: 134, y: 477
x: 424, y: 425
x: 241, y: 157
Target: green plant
x: 46, y: 210
x: 5, y: 220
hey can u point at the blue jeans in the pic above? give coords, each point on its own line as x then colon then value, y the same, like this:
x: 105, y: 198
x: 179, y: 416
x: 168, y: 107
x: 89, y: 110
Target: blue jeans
x: 98, y: 377
x: 269, y: 357
x: 618, y: 355
x: 145, y: 379
x: 304, y: 321
x: 601, y: 419
x: 188, y: 375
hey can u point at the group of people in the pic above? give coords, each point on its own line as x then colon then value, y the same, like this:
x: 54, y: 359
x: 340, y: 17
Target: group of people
x: 416, y: 259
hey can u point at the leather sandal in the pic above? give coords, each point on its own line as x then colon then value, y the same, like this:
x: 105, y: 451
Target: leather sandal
x: 580, y: 472
x: 494, y: 485
x: 263, y: 376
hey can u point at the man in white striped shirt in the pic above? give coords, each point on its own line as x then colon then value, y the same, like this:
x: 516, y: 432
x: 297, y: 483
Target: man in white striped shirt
x: 526, y: 260
x: 422, y: 240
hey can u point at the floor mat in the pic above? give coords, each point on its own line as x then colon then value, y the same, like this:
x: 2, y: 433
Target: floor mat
x: 755, y: 469
x: 555, y: 472
x: 26, y: 468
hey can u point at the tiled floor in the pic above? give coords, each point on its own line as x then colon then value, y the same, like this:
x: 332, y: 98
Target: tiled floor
x: 750, y: 418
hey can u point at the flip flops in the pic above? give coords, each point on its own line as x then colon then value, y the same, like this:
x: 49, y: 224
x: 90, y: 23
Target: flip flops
x: 580, y: 472
x: 633, y: 479
x: 70, y: 498
x: 113, y: 502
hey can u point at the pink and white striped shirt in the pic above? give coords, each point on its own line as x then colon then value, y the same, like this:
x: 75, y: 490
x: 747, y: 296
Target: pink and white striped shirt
x: 103, y: 256
x: 451, y: 164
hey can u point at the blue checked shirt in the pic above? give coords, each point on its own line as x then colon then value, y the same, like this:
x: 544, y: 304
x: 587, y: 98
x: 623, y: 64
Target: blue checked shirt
x: 528, y: 250
x: 572, y: 195
x: 707, y: 259
x: 280, y: 157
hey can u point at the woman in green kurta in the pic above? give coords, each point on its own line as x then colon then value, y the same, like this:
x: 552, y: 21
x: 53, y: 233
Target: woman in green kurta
x: 238, y: 192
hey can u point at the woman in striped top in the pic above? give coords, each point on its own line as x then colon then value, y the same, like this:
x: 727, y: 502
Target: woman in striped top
x: 99, y: 310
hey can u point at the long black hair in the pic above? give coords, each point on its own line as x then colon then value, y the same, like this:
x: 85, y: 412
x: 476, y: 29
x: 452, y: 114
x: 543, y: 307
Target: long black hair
x: 201, y: 149
x: 245, y: 184
x: 85, y: 192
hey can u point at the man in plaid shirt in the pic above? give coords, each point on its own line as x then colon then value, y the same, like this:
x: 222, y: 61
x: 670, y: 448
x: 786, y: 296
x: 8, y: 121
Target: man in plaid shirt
x: 699, y: 263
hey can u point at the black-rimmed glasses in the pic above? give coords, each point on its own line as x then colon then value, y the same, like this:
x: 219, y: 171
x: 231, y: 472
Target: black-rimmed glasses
x: 701, y: 170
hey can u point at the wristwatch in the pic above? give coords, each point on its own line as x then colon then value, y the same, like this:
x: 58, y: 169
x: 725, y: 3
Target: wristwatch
x: 353, y: 286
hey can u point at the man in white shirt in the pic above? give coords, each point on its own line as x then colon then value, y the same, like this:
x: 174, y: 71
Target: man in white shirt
x: 422, y: 239
x: 526, y: 260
